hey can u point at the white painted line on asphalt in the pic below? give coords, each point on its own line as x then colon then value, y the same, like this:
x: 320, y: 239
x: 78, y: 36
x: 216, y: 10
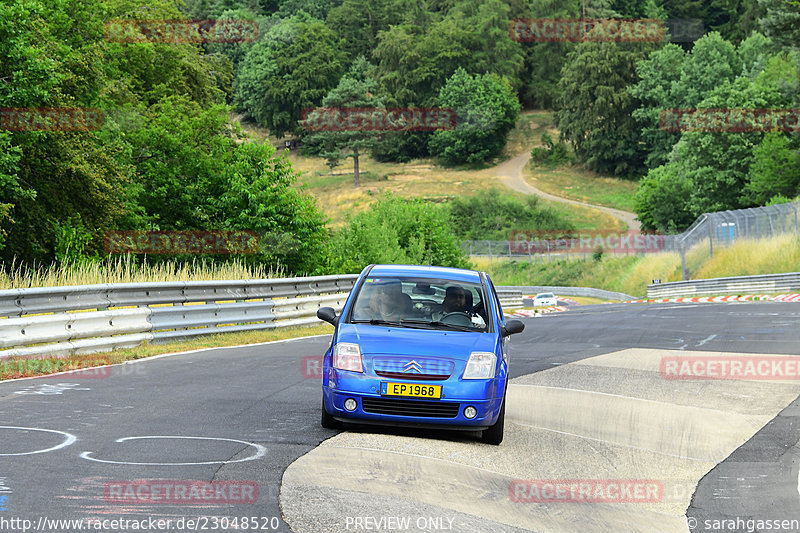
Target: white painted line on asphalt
x: 709, y: 338
x: 146, y: 359
x: 67, y: 441
x: 154, y: 357
x: 261, y: 451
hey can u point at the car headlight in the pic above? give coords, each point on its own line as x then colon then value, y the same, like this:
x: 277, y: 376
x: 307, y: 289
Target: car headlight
x: 480, y: 365
x: 347, y: 356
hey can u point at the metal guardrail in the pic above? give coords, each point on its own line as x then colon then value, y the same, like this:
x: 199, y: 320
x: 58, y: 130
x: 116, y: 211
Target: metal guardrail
x: 510, y: 297
x: 91, y: 318
x: 55, y: 321
x: 574, y: 291
x: 768, y: 283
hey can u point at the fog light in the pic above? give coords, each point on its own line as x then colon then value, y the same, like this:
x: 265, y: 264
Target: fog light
x: 470, y: 412
x: 350, y: 404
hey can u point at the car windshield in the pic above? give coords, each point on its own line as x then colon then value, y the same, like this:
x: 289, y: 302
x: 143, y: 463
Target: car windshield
x: 546, y: 295
x: 421, y: 303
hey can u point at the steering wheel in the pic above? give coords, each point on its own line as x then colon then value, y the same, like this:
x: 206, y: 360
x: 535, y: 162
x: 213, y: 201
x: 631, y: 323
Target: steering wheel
x: 457, y: 318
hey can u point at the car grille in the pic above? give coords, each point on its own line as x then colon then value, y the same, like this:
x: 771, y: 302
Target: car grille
x: 413, y: 368
x: 410, y: 376
x: 432, y: 409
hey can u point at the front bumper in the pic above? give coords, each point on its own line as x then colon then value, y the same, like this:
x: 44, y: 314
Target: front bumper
x: 456, y: 396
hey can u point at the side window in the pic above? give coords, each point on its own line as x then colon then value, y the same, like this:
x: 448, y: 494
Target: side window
x: 498, y: 310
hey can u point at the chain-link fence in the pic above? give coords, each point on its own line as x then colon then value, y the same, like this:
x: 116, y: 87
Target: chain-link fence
x: 723, y: 228
x: 709, y: 232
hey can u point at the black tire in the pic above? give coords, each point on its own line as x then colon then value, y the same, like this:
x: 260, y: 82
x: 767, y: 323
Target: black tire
x: 328, y: 422
x: 494, y: 434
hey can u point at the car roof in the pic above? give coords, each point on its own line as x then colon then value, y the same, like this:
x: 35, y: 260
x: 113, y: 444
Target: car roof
x: 455, y: 274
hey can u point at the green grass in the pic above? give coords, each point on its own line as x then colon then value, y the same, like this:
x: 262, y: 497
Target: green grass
x: 583, y: 185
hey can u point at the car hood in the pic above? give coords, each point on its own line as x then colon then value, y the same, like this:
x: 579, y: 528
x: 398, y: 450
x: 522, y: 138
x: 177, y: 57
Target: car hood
x: 375, y: 340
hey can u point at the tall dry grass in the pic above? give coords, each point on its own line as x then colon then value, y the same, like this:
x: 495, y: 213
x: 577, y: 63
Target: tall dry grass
x: 123, y: 269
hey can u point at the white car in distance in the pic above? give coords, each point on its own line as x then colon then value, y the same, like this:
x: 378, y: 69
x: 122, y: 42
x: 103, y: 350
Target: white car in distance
x: 545, y: 299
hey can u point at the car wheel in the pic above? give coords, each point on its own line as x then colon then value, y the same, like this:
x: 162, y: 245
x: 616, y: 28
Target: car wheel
x: 494, y: 434
x: 328, y: 422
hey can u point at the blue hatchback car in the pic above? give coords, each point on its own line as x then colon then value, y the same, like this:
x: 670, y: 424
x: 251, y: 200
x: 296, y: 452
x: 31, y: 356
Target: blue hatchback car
x: 419, y: 346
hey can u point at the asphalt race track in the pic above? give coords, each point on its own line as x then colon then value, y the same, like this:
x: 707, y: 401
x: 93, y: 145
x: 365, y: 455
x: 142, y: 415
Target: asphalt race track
x: 587, y: 403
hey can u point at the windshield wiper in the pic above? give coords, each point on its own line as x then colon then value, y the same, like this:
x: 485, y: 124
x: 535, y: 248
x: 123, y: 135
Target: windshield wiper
x: 379, y: 322
x: 438, y: 324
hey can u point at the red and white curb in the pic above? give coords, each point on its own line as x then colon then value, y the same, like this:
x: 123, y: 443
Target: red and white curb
x: 533, y: 313
x: 745, y: 298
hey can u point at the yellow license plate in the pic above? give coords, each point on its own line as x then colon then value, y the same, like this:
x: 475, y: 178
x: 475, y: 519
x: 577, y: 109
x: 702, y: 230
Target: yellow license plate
x: 411, y: 390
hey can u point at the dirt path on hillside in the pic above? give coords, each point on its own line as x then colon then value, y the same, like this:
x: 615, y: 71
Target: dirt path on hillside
x: 510, y: 173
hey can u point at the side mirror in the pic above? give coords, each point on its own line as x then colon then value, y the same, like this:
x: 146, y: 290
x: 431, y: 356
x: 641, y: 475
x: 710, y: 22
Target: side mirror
x: 512, y: 327
x: 329, y: 315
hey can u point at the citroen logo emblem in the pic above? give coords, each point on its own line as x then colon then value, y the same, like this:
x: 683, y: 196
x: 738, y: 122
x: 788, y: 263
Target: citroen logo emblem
x: 412, y: 365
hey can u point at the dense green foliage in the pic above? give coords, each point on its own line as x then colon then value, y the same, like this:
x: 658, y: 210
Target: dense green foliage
x: 168, y: 156
x: 493, y: 215
x: 486, y: 111
x: 396, y: 230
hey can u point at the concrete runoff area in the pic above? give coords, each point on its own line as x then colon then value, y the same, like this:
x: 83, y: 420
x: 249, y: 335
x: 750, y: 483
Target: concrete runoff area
x: 609, y: 417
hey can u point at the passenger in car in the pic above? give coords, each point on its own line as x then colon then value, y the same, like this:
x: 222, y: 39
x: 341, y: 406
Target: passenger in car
x: 389, y: 302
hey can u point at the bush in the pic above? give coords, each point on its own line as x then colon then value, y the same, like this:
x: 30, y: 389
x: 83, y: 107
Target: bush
x: 494, y: 215
x: 552, y: 154
x: 396, y: 231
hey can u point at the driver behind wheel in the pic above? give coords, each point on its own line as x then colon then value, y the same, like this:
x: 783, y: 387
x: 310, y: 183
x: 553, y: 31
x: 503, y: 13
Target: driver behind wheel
x: 455, y: 301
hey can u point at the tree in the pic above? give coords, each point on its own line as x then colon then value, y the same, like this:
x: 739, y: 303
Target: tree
x: 595, y: 111
x: 355, y: 89
x: 775, y: 170
x: 486, y: 110
x: 358, y: 23
x: 671, y: 78
x: 780, y: 20
x: 260, y: 194
x: 662, y: 199
x: 290, y: 70
x: 658, y: 76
